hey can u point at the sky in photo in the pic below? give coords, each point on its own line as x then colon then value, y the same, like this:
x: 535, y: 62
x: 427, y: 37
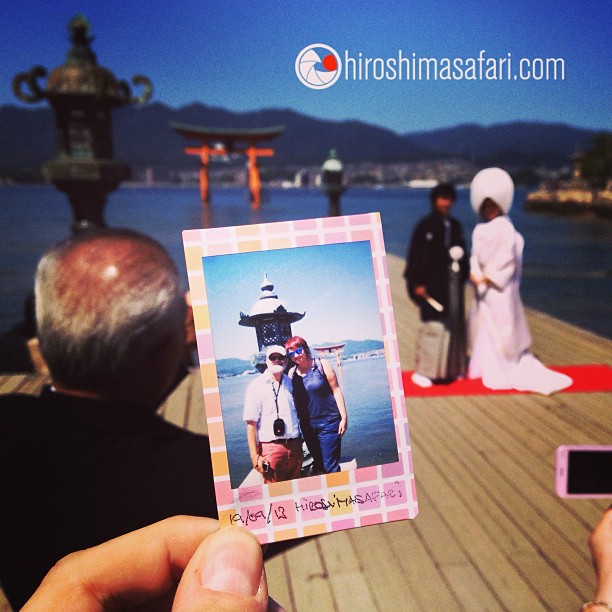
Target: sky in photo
x: 333, y: 284
x: 241, y: 55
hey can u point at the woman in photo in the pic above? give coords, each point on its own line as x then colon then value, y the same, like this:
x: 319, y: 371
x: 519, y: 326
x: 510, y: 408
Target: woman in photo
x: 320, y: 405
x: 498, y: 326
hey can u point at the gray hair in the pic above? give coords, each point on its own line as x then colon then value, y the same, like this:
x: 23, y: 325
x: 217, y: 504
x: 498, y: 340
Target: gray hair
x: 106, y: 302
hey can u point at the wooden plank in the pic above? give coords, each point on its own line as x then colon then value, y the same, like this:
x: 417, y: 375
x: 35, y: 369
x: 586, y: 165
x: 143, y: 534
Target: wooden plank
x: 489, y: 546
x: 279, y: 581
x: 404, y: 540
x: 196, y: 416
x: 464, y: 579
x: 510, y: 435
x: 571, y: 344
x: 30, y: 384
x: 496, y: 515
x: 545, y: 429
x: 343, y: 569
x: 517, y: 477
x: 585, y: 412
x: 387, y: 580
x: 185, y: 405
x: 309, y: 586
x: 11, y: 383
x: 176, y: 407
x: 531, y: 510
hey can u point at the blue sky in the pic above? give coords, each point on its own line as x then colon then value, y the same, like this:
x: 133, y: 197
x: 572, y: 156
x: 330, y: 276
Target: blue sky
x: 241, y: 55
x: 328, y: 282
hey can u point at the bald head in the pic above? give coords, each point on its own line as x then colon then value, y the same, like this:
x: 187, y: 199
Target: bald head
x: 110, y: 314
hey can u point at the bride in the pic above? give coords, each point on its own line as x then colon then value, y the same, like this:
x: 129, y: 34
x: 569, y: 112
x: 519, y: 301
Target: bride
x: 498, y: 327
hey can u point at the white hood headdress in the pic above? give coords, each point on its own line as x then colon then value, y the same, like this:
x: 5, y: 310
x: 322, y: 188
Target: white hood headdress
x: 493, y: 183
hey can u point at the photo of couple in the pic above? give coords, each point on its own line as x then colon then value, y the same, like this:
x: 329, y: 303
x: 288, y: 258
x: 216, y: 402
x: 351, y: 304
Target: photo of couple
x: 285, y: 411
x: 288, y: 412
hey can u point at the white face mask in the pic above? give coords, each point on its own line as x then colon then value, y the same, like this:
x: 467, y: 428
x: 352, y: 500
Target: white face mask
x: 275, y: 368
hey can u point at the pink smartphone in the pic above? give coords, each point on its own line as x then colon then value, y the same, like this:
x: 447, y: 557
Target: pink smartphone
x: 583, y: 471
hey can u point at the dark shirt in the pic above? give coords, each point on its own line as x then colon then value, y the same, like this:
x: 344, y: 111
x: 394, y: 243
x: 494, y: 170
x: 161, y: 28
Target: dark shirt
x: 313, y: 396
x: 428, y: 261
x: 76, y: 472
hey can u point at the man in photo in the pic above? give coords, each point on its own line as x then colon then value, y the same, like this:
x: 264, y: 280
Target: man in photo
x: 273, y: 431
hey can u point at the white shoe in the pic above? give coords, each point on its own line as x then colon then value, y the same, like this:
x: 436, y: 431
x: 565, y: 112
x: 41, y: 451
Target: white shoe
x: 421, y: 381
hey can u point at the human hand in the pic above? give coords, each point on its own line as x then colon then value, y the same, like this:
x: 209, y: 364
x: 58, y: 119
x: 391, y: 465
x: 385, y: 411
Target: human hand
x: 182, y: 563
x: 489, y: 283
x: 600, y: 543
x: 259, y: 464
x: 342, y: 426
x: 421, y: 291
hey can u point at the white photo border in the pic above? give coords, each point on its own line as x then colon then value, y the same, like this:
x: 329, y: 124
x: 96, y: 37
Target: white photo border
x: 316, y: 504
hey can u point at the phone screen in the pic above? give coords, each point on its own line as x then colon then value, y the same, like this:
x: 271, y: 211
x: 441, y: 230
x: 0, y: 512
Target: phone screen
x: 589, y: 472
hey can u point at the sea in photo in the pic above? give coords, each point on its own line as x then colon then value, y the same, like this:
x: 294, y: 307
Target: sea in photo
x: 369, y: 439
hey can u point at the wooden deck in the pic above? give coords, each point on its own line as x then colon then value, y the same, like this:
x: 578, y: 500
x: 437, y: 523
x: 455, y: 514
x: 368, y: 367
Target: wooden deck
x: 491, y: 533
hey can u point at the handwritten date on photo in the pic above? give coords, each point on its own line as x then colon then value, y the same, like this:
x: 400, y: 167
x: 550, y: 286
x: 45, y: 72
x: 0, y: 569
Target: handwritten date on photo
x: 278, y: 512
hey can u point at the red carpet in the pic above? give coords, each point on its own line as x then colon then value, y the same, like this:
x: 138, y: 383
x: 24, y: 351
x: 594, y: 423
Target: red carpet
x: 587, y: 378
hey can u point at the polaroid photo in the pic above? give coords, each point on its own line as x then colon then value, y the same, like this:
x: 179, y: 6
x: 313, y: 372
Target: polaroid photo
x: 307, y: 436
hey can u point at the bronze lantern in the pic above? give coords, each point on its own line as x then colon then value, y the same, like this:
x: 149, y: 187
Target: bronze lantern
x: 83, y: 95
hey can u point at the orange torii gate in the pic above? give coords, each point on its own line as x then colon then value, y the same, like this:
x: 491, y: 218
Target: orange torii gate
x: 334, y: 349
x: 221, y: 142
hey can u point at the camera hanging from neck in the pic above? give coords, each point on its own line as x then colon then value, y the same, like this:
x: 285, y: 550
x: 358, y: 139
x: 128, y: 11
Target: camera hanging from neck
x: 279, y: 424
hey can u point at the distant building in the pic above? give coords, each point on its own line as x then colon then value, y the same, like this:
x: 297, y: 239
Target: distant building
x: 571, y: 196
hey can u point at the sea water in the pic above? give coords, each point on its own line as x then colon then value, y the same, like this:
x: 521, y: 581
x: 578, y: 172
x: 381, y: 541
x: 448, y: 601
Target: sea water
x: 369, y: 439
x: 567, y: 268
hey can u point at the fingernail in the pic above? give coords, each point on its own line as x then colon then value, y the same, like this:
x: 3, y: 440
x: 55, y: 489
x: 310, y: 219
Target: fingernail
x: 233, y: 563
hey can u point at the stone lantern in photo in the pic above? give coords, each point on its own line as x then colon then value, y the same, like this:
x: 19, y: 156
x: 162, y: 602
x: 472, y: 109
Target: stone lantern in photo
x: 271, y: 319
x: 82, y: 95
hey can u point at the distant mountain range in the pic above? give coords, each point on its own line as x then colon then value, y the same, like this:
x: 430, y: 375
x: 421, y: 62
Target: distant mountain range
x: 236, y: 367
x: 143, y: 137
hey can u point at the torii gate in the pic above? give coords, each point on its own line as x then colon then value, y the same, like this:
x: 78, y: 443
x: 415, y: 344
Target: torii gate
x: 334, y: 349
x: 222, y: 141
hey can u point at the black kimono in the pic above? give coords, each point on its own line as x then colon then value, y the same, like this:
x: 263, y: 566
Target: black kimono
x: 428, y: 263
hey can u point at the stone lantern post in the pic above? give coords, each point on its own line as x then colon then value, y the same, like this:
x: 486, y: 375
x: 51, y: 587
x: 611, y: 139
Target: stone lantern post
x: 82, y: 95
x: 271, y: 319
x: 332, y: 182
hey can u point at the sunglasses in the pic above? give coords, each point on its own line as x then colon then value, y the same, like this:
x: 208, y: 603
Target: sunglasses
x: 298, y: 351
x: 276, y: 357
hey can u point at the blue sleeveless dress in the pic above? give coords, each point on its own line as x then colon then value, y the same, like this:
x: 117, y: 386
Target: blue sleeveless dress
x: 319, y: 417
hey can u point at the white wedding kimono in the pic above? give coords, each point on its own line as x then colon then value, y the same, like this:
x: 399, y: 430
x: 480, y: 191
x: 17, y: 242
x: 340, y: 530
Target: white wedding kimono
x: 499, y: 333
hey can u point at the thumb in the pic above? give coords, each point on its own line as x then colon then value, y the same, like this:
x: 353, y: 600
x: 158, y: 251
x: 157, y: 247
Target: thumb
x: 226, y: 573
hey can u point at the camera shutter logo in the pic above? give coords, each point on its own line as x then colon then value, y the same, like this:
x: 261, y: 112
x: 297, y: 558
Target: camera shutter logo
x: 318, y: 66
